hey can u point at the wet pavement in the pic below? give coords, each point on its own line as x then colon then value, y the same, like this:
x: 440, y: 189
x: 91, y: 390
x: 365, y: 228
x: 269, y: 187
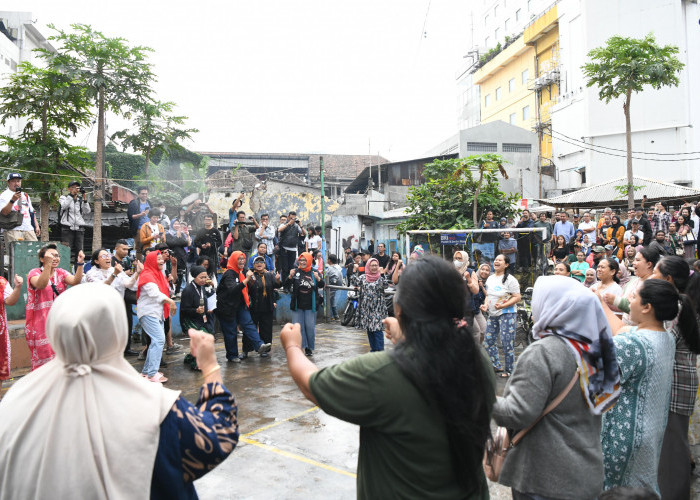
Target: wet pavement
x: 288, y: 447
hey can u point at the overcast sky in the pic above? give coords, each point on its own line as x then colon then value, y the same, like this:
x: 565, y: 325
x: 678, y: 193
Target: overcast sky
x: 285, y: 76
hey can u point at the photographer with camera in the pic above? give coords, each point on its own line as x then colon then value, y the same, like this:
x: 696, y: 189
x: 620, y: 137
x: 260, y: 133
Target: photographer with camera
x: 289, y: 234
x: 242, y: 234
x: 13, y: 199
x: 72, y: 208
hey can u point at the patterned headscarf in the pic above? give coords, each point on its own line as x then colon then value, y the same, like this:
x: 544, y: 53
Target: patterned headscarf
x: 371, y: 277
x: 563, y: 307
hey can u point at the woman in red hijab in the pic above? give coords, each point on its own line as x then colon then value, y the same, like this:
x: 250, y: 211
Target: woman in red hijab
x: 232, y: 303
x: 153, y: 305
x: 304, y: 284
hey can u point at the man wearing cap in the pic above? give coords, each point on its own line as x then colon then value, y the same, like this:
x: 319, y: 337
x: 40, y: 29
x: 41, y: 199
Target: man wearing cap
x: 597, y: 254
x: 609, y: 253
x: 73, y: 208
x: 644, y: 225
x: 13, y: 199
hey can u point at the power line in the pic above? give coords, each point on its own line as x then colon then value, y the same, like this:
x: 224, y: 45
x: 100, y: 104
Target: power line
x: 593, y: 148
x: 624, y: 150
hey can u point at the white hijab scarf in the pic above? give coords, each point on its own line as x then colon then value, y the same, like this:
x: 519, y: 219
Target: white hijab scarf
x: 565, y: 308
x: 85, y: 425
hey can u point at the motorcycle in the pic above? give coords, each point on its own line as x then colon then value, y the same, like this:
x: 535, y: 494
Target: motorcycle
x: 349, y: 315
x: 523, y: 328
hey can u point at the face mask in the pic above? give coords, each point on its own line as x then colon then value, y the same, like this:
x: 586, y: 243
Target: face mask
x: 457, y: 263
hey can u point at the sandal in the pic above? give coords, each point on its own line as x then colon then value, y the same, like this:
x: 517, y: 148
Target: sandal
x: 504, y: 374
x: 158, y: 377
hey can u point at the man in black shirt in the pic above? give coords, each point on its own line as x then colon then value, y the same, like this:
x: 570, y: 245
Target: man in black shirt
x: 208, y: 240
x: 289, y: 234
x: 382, y: 256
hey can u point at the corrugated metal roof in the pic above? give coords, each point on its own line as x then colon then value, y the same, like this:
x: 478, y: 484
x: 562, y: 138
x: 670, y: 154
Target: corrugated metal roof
x: 605, y: 194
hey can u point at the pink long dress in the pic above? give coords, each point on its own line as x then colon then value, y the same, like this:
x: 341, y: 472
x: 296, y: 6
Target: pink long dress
x: 4, y: 336
x: 39, y: 303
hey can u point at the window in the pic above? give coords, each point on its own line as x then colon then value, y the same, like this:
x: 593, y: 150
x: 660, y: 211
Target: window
x: 512, y: 122
x: 486, y: 147
x: 511, y: 85
x: 495, y: 11
x: 486, y: 20
x: 516, y: 148
x: 506, y: 25
x: 497, y: 34
x: 486, y: 42
x: 529, y: 5
x: 526, y: 113
x: 487, y: 100
x: 498, y: 93
x: 524, y: 76
x: 517, y: 15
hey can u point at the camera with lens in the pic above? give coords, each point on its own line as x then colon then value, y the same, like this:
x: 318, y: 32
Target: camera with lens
x: 82, y: 190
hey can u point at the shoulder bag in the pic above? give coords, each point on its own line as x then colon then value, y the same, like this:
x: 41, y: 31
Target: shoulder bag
x: 498, y: 445
x: 11, y: 220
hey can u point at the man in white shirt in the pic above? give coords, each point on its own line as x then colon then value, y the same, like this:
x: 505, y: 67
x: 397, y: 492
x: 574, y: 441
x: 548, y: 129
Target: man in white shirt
x: 588, y: 227
x: 13, y: 199
x: 636, y: 231
x: 266, y: 233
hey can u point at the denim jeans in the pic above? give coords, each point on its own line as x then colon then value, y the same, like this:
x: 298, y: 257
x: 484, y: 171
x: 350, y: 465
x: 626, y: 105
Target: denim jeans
x: 333, y: 298
x: 154, y: 329
x: 228, y: 326
x: 376, y: 340
x: 503, y: 325
x: 307, y: 320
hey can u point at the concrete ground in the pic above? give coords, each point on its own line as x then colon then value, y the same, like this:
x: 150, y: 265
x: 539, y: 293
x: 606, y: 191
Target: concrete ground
x: 288, y: 447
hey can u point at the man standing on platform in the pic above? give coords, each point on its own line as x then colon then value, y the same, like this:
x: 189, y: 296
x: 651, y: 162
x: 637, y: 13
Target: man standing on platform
x: 137, y: 212
x: 13, y: 199
x: 74, y: 207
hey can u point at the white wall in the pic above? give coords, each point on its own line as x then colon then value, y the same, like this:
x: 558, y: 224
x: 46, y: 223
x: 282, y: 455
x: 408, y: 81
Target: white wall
x: 349, y: 227
x: 661, y: 119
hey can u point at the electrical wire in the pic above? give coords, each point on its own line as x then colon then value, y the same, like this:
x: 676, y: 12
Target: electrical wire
x: 150, y: 181
x: 624, y: 150
x: 593, y: 148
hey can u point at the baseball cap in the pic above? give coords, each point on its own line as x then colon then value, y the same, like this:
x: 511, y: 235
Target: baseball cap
x: 13, y: 175
x: 258, y: 259
x: 608, y: 247
x: 598, y: 249
x: 635, y: 222
x: 74, y: 183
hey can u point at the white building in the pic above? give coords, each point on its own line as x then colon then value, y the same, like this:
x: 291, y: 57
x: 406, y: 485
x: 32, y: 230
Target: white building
x: 18, y: 39
x: 665, y: 121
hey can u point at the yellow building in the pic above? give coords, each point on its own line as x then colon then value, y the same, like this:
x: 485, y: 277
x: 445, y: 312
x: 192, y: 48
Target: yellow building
x: 521, y: 83
x: 543, y: 36
x: 503, y: 84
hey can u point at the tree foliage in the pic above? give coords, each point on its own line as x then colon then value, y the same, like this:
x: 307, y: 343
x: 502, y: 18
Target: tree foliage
x: 627, y: 65
x: 155, y: 131
x: 446, y: 199
x: 114, y: 76
x: 54, y: 107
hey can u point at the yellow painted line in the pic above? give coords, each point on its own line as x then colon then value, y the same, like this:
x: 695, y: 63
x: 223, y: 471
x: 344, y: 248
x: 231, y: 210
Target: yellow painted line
x: 280, y: 422
x: 300, y: 458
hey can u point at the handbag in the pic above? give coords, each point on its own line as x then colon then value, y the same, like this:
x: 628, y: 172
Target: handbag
x: 11, y: 220
x: 689, y: 238
x: 499, y: 444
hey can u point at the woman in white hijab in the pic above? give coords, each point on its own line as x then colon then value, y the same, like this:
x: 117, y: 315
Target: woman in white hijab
x: 86, y: 425
x: 564, y: 447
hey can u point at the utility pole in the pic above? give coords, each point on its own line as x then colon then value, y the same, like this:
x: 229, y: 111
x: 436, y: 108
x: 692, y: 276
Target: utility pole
x: 323, y: 236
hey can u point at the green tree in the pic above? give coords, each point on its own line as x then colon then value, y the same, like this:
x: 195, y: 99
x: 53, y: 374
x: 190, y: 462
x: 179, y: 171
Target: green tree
x: 115, y: 76
x: 627, y: 65
x: 155, y: 131
x: 452, y: 190
x: 55, y: 107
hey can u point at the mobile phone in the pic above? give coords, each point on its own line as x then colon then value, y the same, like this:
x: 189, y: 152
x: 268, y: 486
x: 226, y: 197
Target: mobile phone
x: 18, y: 189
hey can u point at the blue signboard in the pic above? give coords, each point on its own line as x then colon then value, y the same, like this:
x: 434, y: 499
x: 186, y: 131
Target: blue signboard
x: 453, y: 238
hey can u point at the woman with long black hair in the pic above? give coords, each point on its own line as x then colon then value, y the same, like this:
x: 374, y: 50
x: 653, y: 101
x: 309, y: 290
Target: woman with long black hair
x: 424, y: 408
x: 674, y: 466
x: 502, y: 293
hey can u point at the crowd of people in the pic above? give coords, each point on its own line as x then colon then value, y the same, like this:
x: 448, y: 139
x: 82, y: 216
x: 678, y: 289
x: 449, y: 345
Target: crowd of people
x: 603, y: 396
